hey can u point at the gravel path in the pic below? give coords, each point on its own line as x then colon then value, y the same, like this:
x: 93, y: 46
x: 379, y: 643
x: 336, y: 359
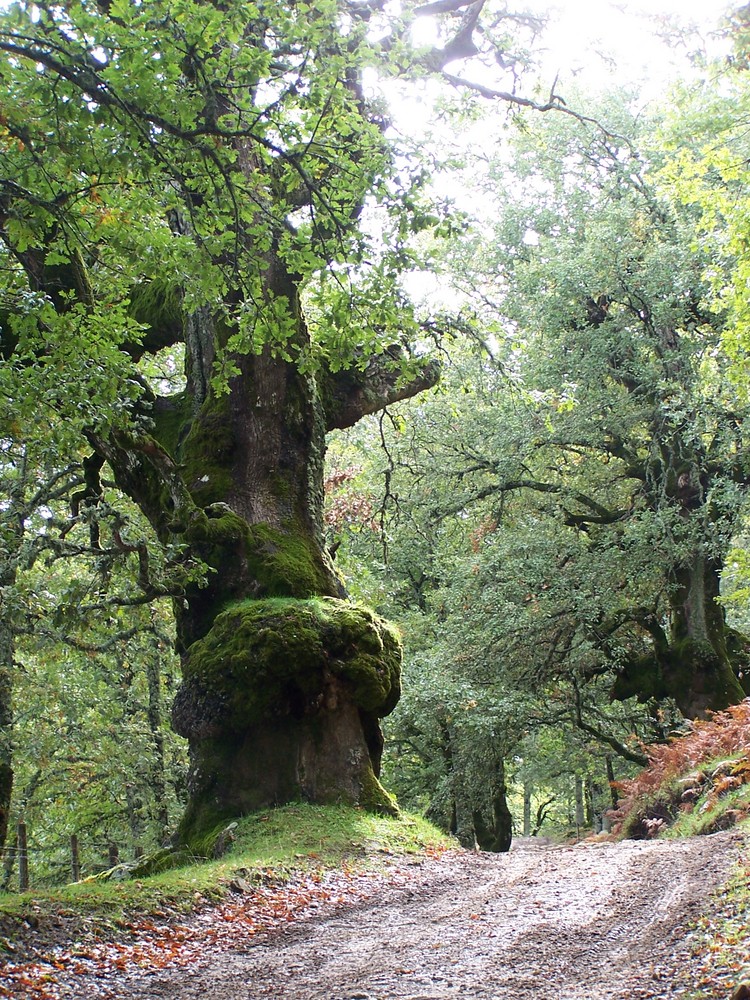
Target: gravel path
x: 571, y: 923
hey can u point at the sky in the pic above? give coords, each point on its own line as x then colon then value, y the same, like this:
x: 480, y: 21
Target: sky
x: 594, y: 44
x: 587, y: 30
x: 605, y: 41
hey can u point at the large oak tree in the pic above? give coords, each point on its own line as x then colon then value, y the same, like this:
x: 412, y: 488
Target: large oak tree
x: 188, y: 174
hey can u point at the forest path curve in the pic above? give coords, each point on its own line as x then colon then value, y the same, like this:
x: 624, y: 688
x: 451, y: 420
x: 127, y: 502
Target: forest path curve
x: 573, y: 923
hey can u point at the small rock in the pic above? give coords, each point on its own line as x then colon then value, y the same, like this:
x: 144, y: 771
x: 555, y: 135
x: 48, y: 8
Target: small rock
x: 725, y: 767
x: 224, y: 841
x: 240, y: 885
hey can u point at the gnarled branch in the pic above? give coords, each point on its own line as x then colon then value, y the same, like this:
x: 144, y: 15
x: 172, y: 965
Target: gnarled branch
x: 352, y: 393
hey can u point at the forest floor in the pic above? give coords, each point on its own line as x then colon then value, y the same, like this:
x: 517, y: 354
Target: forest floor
x: 571, y: 923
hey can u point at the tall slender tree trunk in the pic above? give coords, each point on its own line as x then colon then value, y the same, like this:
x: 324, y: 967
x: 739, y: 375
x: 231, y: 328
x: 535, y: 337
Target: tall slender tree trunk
x: 157, y: 768
x: 6, y: 725
x: 11, y: 535
x: 527, y: 791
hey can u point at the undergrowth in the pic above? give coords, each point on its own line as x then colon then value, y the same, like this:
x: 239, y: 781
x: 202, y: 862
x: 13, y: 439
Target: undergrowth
x: 695, y: 784
x: 721, y: 944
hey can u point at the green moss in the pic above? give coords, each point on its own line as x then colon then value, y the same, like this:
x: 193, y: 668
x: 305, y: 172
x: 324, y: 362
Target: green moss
x: 276, y: 562
x: 691, y: 672
x: 277, y: 655
x: 170, y: 420
x: 696, y: 667
x: 157, y: 305
x: 201, y: 824
x: 207, y: 451
x: 286, y: 562
x: 641, y: 678
x: 375, y: 798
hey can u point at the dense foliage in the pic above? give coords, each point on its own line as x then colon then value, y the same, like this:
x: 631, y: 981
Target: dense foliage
x: 584, y: 539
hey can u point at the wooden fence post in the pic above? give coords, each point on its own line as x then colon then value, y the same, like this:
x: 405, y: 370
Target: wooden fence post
x: 23, y: 858
x: 75, y: 861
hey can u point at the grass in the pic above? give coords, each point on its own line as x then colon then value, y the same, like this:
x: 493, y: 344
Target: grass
x: 695, y: 785
x: 712, y: 813
x: 270, y: 845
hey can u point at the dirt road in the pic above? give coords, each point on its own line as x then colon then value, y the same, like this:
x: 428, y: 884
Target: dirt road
x: 570, y: 923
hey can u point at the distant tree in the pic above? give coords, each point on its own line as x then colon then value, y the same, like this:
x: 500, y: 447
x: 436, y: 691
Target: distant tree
x: 626, y: 428
x: 94, y: 756
x: 483, y: 710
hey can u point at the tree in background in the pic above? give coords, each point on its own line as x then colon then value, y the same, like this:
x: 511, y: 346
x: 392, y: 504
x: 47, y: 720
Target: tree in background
x: 592, y: 474
x: 489, y: 703
x: 627, y: 428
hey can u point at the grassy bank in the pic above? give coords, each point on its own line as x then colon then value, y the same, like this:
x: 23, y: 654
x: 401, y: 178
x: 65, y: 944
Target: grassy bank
x: 696, y: 785
x: 268, y: 847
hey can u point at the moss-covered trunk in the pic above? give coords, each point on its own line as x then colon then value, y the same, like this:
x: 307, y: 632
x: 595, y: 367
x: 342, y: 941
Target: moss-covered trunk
x: 11, y: 533
x: 6, y: 728
x: 699, y: 660
x: 698, y: 667
x: 284, y: 681
x: 495, y: 834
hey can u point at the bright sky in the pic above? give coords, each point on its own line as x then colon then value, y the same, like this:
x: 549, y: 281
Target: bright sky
x: 604, y: 41
x: 590, y: 30
x: 594, y: 44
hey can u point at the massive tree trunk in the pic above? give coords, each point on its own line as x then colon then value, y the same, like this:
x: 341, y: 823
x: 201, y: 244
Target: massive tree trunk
x: 698, y: 659
x: 284, y: 680
x: 261, y: 153
x: 495, y: 834
x: 700, y: 666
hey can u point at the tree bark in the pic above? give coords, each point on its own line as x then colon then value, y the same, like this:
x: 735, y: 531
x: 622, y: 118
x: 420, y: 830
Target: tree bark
x: 699, y: 660
x: 284, y: 681
x: 527, y: 790
x: 497, y: 834
x: 698, y: 670
x: 12, y: 534
x: 157, y: 770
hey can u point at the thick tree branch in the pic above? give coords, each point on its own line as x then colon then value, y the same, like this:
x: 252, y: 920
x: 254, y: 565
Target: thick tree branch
x: 462, y: 45
x: 599, y: 514
x: 620, y: 748
x: 353, y: 393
